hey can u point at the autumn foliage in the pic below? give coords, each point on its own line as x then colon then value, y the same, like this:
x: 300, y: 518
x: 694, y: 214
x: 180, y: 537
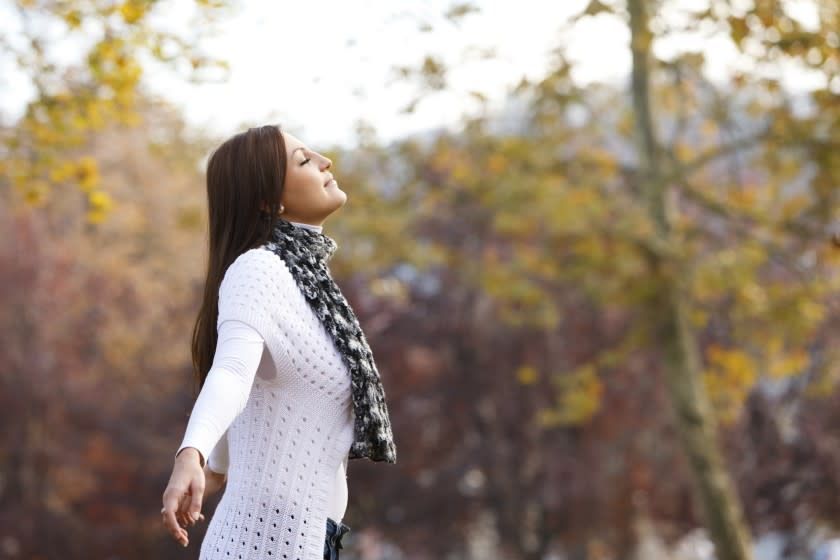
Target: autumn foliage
x: 509, y: 280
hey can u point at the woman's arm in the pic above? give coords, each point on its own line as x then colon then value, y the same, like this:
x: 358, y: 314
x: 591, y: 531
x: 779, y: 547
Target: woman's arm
x: 225, y: 392
x: 239, y: 349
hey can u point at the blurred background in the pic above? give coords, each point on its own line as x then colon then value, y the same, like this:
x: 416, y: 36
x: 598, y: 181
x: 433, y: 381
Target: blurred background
x: 594, y: 245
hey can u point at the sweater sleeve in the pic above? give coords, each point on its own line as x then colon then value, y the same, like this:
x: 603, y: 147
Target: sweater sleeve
x: 220, y: 456
x: 225, y: 392
x: 253, y: 290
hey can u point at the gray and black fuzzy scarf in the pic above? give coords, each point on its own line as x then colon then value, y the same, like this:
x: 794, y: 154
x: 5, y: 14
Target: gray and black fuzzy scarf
x: 306, y: 252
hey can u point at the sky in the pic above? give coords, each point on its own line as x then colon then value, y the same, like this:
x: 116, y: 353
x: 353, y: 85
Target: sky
x: 318, y: 67
x: 291, y: 61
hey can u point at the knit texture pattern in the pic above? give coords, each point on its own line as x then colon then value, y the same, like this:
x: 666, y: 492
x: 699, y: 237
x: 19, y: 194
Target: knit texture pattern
x: 286, y: 445
x: 305, y: 253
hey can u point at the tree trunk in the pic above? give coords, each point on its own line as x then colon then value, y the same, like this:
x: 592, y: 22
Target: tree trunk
x: 694, y: 416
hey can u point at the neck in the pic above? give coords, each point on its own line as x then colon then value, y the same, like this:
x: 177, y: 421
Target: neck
x: 300, y: 238
x: 307, y: 226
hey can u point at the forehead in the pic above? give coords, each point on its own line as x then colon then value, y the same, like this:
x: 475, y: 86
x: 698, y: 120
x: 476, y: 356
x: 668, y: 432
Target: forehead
x: 292, y: 142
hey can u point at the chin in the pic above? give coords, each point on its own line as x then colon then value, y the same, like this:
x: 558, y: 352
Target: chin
x: 338, y: 204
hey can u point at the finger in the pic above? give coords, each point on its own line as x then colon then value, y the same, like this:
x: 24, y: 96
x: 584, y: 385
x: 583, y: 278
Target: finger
x: 184, y: 515
x: 174, y: 528
x: 197, y: 491
x: 183, y: 510
x: 182, y: 536
x: 170, y: 507
x: 177, y: 532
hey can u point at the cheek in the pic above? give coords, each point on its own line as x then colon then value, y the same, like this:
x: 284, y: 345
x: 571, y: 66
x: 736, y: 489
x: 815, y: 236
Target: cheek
x: 311, y: 182
x: 301, y: 187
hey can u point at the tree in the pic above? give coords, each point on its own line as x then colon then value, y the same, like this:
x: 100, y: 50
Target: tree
x: 670, y: 313
x: 73, y: 100
x: 96, y: 342
x: 699, y: 238
x: 673, y: 265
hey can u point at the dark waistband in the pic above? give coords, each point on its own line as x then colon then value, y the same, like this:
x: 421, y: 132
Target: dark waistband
x: 335, y: 531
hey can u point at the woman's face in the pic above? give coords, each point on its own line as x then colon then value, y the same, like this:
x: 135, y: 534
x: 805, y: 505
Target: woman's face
x: 310, y: 194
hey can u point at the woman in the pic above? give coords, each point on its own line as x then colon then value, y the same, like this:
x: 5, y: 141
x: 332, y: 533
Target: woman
x: 289, y: 389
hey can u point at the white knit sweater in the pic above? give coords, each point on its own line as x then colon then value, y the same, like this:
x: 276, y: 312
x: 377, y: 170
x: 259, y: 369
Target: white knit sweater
x: 280, y: 423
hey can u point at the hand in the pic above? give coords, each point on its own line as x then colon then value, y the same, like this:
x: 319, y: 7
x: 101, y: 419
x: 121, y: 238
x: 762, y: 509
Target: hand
x: 183, y: 513
x: 183, y: 495
x: 213, y: 482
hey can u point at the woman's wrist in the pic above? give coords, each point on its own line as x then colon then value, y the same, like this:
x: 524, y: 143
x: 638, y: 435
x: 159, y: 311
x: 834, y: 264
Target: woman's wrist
x: 191, y: 454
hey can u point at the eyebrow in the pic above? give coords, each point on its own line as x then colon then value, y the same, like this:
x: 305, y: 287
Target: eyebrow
x: 296, y: 149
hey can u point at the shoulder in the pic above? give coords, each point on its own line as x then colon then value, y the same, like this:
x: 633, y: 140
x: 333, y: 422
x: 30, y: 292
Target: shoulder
x: 257, y: 266
x: 257, y: 259
x: 253, y: 287
x: 257, y: 275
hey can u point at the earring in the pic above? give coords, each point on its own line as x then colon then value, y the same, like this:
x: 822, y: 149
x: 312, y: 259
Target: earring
x: 282, y: 208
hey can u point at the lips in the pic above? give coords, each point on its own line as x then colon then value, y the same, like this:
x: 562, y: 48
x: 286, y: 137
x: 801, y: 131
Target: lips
x: 327, y: 184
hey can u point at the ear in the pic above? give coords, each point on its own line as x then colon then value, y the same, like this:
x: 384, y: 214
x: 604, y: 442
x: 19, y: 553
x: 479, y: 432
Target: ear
x: 264, y: 209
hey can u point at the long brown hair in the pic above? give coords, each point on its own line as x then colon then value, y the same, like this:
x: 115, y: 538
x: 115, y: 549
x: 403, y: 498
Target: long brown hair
x: 245, y: 177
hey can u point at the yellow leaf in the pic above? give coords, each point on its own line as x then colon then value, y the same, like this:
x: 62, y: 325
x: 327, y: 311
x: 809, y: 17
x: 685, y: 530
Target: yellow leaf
x: 729, y: 377
x: 794, y: 206
x: 100, y: 200
x: 87, y: 173
x: 100, y: 204
x: 496, y: 163
x: 132, y: 11
x: 73, y: 19
x: 683, y: 150
x: 35, y: 193
x: 783, y: 365
x: 811, y: 311
x: 580, y: 395
x: 461, y: 172
x: 526, y: 375
x: 699, y: 318
x: 710, y: 129
x: 95, y: 216
x: 738, y: 29
x: 62, y: 171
